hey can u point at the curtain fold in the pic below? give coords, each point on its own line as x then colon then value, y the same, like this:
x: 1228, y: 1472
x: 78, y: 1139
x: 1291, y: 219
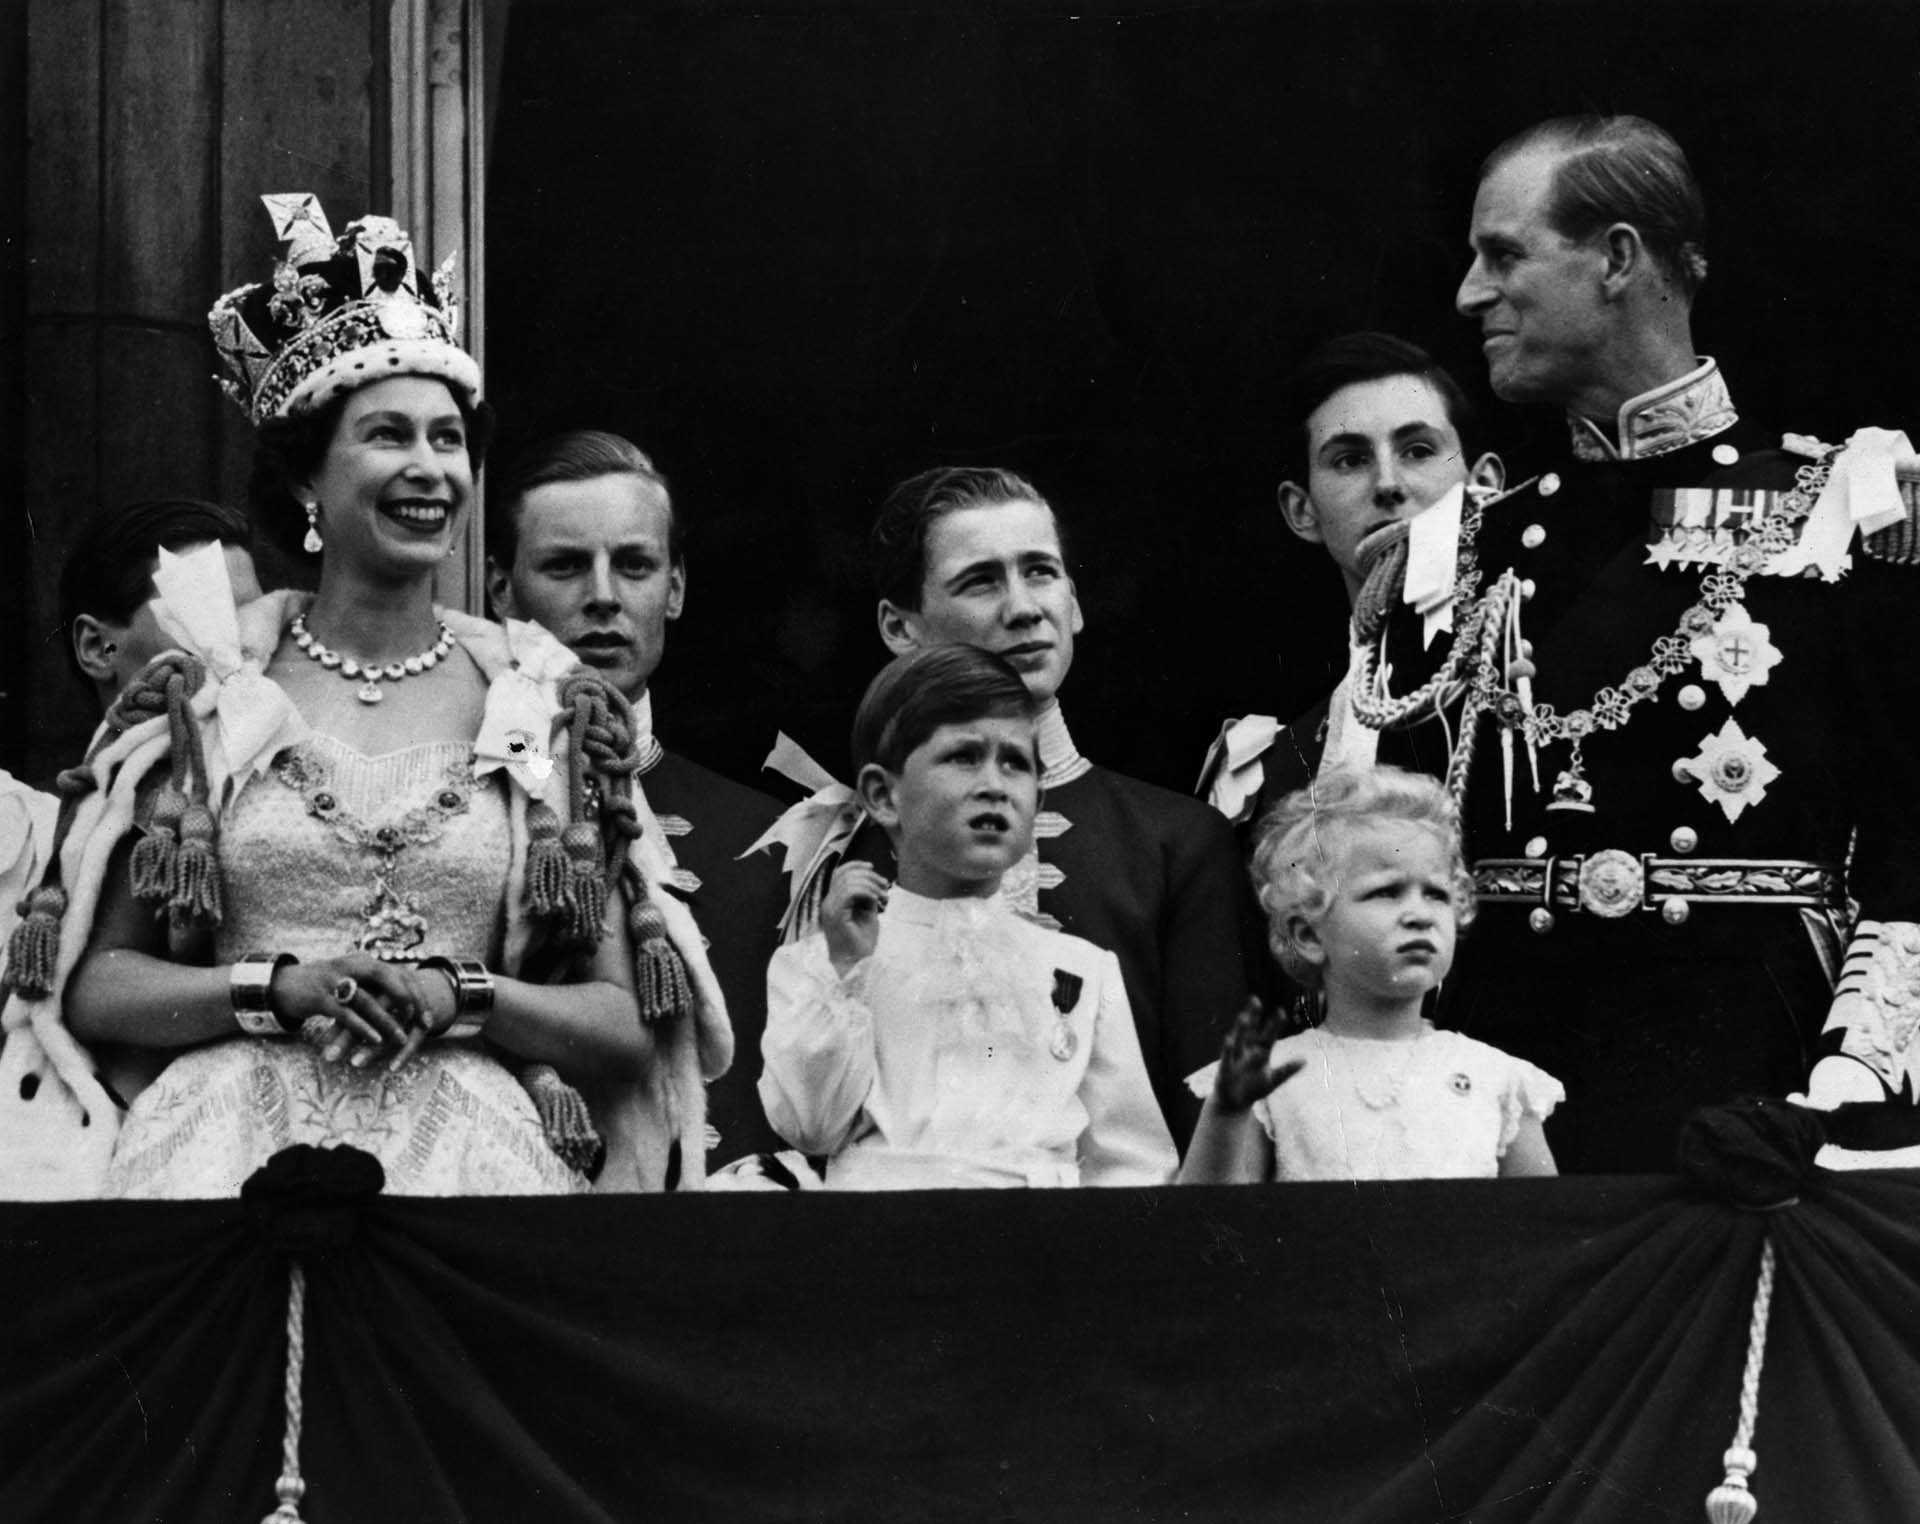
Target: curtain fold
x: 1566, y: 1351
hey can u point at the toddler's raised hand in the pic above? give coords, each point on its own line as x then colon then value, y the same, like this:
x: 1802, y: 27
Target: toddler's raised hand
x: 1245, y: 1074
x: 850, y: 914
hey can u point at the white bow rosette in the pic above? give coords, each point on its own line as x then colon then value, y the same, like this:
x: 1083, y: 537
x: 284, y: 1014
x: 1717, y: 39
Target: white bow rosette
x: 812, y: 834
x: 1862, y: 494
x: 1433, y: 552
x: 516, y: 729
x: 1233, y: 774
x: 247, y: 716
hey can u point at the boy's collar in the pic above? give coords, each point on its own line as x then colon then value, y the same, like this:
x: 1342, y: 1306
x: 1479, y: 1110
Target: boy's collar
x: 1060, y: 759
x: 923, y: 910
x: 646, y: 744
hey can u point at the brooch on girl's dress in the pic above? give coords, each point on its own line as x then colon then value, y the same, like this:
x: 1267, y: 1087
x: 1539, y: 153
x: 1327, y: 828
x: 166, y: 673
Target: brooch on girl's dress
x: 1066, y: 995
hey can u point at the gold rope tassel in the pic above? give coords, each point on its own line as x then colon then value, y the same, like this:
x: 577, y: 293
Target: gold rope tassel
x: 565, y: 1119
x: 548, y: 876
x: 33, y: 951
x: 155, y: 855
x: 198, y: 891
x: 660, y: 977
x: 585, y: 900
x: 1732, y: 1502
x: 176, y: 864
x: 289, y: 1488
x: 1384, y: 566
x: 155, y: 867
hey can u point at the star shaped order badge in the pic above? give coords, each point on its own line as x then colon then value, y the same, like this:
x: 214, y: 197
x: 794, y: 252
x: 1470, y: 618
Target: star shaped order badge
x: 1731, y: 769
x: 1736, y: 653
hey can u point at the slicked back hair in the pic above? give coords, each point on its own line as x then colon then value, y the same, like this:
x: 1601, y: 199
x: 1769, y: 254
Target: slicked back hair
x: 1621, y: 169
x: 897, y: 544
x: 914, y: 695
x: 578, y: 455
x: 1352, y: 359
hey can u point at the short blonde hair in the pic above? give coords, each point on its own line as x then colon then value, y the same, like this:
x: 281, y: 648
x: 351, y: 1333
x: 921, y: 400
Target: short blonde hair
x: 1302, y: 840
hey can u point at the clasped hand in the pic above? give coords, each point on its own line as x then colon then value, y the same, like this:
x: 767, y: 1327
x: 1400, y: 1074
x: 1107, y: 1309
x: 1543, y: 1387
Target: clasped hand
x: 371, y: 1006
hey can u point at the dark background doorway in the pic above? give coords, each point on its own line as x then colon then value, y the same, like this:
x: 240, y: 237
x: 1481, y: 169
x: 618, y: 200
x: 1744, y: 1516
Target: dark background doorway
x: 799, y: 251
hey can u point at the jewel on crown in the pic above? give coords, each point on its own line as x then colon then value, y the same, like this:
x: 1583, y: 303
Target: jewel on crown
x: 340, y: 311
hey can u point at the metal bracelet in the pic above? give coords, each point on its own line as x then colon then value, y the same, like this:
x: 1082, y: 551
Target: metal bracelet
x: 472, y: 994
x: 250, y: 988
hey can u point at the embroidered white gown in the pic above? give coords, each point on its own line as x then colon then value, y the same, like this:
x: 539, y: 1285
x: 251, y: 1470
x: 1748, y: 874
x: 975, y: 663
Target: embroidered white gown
x: 328, y: 851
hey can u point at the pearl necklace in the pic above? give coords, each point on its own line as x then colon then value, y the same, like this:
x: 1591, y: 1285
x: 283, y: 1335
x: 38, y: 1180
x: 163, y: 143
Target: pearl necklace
x: 369, y: 691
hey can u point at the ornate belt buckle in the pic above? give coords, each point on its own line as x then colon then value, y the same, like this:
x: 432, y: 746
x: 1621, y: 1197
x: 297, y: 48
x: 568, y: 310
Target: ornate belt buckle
x: 1612, y: 884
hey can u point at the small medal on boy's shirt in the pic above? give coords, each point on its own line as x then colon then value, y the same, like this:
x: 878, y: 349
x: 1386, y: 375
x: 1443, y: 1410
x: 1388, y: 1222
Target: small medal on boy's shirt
x: 1066, y: 995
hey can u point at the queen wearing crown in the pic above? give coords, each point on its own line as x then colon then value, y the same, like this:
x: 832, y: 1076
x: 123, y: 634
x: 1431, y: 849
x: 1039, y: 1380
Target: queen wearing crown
x: 351, y: 868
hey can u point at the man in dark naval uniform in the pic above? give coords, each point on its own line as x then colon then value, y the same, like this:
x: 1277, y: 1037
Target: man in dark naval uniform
x: 587, y: 541
x: 975, y: 556
x: 1686, y: 795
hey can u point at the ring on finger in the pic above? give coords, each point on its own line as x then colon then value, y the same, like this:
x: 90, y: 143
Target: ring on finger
x: 345, y: 989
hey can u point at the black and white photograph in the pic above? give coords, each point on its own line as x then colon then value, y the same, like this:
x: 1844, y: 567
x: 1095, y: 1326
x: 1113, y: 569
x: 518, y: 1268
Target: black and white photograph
x: 1170, y: 749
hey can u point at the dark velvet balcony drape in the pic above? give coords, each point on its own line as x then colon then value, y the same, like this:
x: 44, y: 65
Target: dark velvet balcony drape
x: 1555, y: 1350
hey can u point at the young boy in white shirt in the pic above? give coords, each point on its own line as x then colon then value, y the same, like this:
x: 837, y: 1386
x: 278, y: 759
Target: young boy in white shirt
x: 928, y: 1035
